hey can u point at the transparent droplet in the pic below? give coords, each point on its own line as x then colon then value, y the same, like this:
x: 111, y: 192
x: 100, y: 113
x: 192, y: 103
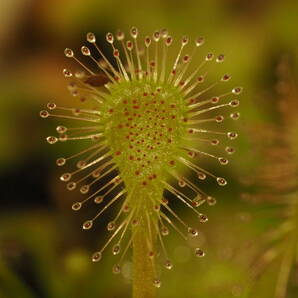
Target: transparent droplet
x: 209, y: 57
x: 51, y: 106
x: 63, y: 137
x: 96, y: 256
x: 156, y: 36
x: 199, y: 252
x: 202, y: 176
x: 68, y: 53
x: 193, y: 232
x: 65, y: 177
x: 234, y: 103
x: 110, y: 37
x: 185, y: 40
x: 182, y: 183
x: 164, y: 33
x: 85, y: 51
x: 111, y: 226
x: 116, y: 269
x: 61, y: 129
x: 157, y: 282
x: 81, y: 164
x: 214, y: 142
x: 223, y: 160
x: 134, y: 32
x: 168, y: 264
x: 129, y: 45
x: 60, y: 161
x: 71, y: 185
x: 219, y: 118
x: 215, y: 100
x: 91, y: 37
x: 147, y: 41
x: 52, y: 140
x: 169, y: 41
x: 116, y: 249
x: 98, y: 199
x: 230, y: 150
x: 235, y: 116
x: 164, y: 231
x: 203, y: 218
x: 220, y: 58
x: 120, y: 35
x: 84, y: 189
x: 67, y: 73
x: 211, y: 201
x: 226, y: 78
x: 237, y: 90
x: 87, y: 225
x: 76, y: 206
x: 200, y: 41
x: 232, y: 135
x: 221, y: 181
x: 44, y: 114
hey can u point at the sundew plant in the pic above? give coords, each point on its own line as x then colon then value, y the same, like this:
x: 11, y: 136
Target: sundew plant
x: 148, y: 117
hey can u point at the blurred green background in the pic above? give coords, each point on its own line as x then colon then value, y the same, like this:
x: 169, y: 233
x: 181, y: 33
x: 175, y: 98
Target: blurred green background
x: 43, y: 251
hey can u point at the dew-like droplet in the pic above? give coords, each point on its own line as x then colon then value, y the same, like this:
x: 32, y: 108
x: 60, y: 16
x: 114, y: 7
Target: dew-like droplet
x: 81, y: 164
x: 85, y: 51
x: 219, y: 118
x: 120, y: 35
x: 147, y: 41
x: 111, y: 226
x: 199, y: 252
x: 44, y: 114
x: 134, y: 32
x: 234, y: 103
x: 168, y: 264
x: 169, y: 41
x: 91, y: 37
x: 51, y: 106
x: 182, y: 183
x: 230, y: 150
x: 68, y: 53
x: 164, y: 33
x: 211, y: 201
x: 237, y: 90
x: 193, y: 232
x: 221, y: 181
x: 61, y: 129
x: 164, y: 231
x: 203, y: 218
x: 96, y: 256
x: 201, y: 176
x: 200, y: 41
x: 76, y: 206
x: 209, y: 57
x: 214, y: 100
x: 214, y: 142
x: 87, y: 225
x: 63, y: 137
x: 98, y: 199
x: 185, y: 40
x: 223, y: 160
x: 67, y: 73
x: 225, y: 78
x: 84, y: 189
x: 220, y: 58
x: 157, y: 282
x: 116, y: 249
x: 129, y: 45
x: 116, y: 269
x: 71, y: 185
x: 235, y: 116
x: 52, y: 140
x: 60, y: 161
x: 232, y: 135
x: 156, y: 36
x: 110, y: 38
x: 65, y: 177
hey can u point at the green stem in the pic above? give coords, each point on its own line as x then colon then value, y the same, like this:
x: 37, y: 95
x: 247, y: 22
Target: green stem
x: 143, y: 267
